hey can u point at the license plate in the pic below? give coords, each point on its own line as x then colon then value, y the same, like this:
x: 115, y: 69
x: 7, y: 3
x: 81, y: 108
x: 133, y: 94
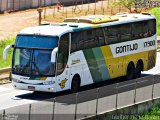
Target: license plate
x: 32, y: 88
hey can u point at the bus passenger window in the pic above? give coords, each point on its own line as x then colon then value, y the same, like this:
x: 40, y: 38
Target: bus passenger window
x: 77, y: 41
x: 136, y: 30
x: 152, y: 27
x: 111, y: 34
x: 145, y: 29
x: 74, y: 41
x: 80, y: 41
x: 89, y: 41
x: 125, y: 32
x: 100, y: 37
x: 63, y: 53
x: 139, y: 30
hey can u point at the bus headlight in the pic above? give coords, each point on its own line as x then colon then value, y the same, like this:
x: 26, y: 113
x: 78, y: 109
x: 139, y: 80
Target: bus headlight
x: 16, y: 80
x: 49, y: 83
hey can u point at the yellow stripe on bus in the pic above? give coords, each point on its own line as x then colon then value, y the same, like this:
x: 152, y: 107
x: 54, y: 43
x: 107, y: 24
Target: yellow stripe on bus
x: 118, y: 66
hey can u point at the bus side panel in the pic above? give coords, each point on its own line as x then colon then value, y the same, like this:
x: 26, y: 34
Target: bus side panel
x: 118, y: 66
x: 114, y: 65
x: 151, y: 59
x: 96, y: 64
x: 78, y: 65
x: 134, y: 58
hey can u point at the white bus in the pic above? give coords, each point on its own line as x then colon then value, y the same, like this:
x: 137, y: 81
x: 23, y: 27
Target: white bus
x: 82, y: 51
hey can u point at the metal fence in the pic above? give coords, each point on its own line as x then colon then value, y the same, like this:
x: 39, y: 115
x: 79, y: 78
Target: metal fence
x: 88, y: 103
x: 15, y: 5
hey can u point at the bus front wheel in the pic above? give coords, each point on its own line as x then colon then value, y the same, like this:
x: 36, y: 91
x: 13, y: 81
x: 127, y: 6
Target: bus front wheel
x: 130, y: 71
x: 75, y: 86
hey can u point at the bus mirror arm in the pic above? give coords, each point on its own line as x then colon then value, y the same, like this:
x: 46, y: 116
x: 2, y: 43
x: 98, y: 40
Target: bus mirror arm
x: 53, y: 55
x: 6, y: 51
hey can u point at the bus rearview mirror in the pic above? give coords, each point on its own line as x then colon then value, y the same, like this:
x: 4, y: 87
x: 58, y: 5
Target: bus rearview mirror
x: 6, y: 51
x: 53, y: 55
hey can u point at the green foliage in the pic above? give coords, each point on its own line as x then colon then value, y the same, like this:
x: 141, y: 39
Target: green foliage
x: 156, y: 13
x: 126, y: 3
x: 153, y: 114
x: 3, y: 44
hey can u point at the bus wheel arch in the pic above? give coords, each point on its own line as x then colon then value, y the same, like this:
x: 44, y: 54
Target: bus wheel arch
x: 75, y: 84
x: 130, y: 73
x: 139, y: 68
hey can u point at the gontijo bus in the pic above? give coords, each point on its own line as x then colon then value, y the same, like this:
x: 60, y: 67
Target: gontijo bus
x: 82, y: 51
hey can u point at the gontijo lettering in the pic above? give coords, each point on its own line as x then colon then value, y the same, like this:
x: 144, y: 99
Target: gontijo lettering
x: 126, y: 48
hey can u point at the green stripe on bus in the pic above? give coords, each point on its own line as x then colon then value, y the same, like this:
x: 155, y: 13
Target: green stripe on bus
x: 96, y: 64
x: 101, y: 64
x: 92, y: 64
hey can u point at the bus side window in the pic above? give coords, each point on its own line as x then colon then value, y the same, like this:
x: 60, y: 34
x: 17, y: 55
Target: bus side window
x: 100, y: 37
x: 63, y: 53
x: 80, y: 45
x: 152, y: 27
x: 90, y: 41
x: 145, y: 32
x: 139, y: 30
x: 112, y: 34
x: 74, y: 41
x: 136, y: 30
x: 125, y: 32
x: 77, y: 41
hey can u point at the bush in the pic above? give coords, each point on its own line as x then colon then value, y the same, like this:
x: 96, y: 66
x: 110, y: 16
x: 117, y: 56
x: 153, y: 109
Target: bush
x: 156, y: 12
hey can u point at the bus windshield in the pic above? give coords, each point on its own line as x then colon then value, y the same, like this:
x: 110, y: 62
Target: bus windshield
x: 32, y: 55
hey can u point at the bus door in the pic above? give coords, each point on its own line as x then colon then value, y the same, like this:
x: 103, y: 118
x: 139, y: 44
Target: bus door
x: 63, y: 71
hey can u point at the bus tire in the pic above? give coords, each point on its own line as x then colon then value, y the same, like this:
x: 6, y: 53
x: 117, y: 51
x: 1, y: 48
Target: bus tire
x: 130, y: 71
x: 139, y: 69
x: 75, y: 86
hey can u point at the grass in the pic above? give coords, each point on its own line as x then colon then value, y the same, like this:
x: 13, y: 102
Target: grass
x: 3, y: 44
x: 153, y: 114
x: 156, y: 12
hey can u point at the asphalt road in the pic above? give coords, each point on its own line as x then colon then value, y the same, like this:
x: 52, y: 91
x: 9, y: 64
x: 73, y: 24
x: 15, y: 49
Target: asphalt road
x: 63, y: 104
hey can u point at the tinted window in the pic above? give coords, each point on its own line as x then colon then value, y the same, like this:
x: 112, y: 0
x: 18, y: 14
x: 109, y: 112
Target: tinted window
x: 90, y: 39
x: 100, y: 36
x: 63, y: 53
x: 125, y: 32
x: 77, y: 41
x: 112, y: 34
x: 34, y: 41
x: 139, y: 30
x: 87, y: 39
x: 152, y: 27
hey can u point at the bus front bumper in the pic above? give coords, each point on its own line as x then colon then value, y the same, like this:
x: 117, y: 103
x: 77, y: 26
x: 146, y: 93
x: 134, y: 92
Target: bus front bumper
x: 31, y: 87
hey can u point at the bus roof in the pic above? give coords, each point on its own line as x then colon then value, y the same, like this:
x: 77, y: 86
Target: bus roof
x: 84, y: 22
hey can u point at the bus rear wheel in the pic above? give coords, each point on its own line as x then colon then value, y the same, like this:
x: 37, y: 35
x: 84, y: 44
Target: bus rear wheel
x: 130, y: 71
x: 75, y: 86
x: 139, y: 68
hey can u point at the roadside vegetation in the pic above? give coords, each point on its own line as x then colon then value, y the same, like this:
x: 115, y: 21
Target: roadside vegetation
x: 3, y: 44
x: 156, y: 12
x: 153, y: 114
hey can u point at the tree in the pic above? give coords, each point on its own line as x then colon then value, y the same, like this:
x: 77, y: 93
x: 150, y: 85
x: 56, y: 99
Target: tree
x: 126, y: 3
